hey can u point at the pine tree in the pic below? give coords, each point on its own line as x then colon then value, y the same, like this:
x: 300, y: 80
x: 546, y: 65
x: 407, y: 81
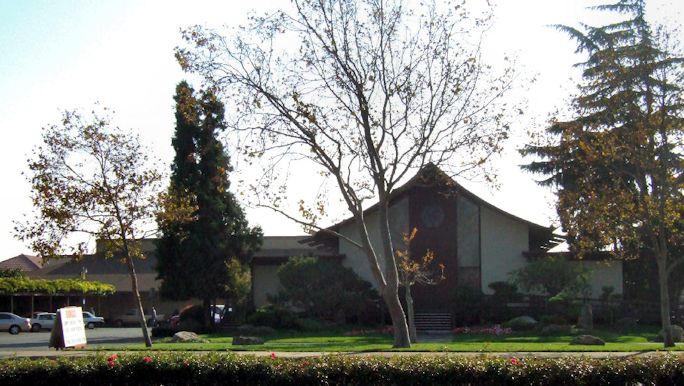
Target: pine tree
x: 203, y: 226
x: 617, y: 164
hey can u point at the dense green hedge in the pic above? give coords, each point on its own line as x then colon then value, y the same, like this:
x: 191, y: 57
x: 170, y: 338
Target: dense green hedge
x: 17, y: 285
x: 217, y: 369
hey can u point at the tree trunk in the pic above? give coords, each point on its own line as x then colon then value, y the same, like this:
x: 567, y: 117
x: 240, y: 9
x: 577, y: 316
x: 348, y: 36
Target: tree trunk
x: 411, y: 315
x: 387, y: 281
x: 668, y: 341
x: 391, y: 292
x: 401, y: 335
x: 138, y: 301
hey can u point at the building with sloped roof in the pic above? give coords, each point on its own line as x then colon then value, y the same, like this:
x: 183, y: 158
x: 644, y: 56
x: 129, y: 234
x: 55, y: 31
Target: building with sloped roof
x: 24, y: 263
x: 477, y: 243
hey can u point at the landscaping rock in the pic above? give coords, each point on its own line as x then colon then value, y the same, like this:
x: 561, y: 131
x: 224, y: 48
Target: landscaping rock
x: 244, y: 340
x: 248, y: 329
x: 521, y: 323
x: 589, y: 340
x: 555, y: 329
x: 185, y: 337
x: 677, y: 334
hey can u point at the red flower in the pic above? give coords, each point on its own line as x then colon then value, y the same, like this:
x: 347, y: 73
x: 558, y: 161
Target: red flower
x: 147, y: 359
x: 514, y: 361
x: 304, y: 363
x: 112, y: 357
x: 112, y: 363
x: 273, y: 355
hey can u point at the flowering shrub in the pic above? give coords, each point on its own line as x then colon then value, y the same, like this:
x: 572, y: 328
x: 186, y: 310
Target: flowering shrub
x: 231, y: 369
x: 111, y: 360
x: 493, y: 330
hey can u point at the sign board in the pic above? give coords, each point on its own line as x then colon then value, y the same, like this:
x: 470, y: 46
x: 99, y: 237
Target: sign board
x: 69, y: 330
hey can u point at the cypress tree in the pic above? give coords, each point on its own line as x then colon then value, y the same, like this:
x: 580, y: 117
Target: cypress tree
x: 175, y: 223
x: 204, y: 226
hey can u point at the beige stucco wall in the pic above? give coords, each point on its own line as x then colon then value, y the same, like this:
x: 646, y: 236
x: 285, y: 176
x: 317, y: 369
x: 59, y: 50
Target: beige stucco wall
x: 282, y: 242
x: 355, y: 258
x: 503, y: 241
x: 604, y: 273
x: 266, y: 278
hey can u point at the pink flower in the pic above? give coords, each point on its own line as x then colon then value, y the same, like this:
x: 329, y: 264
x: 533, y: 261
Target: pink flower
x: 147, y: 359
x: 273, y: 355
x: 514, y: 361
x: 111, y: 363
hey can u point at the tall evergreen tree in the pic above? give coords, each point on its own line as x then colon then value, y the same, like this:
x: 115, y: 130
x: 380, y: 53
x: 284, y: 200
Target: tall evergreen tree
x: 203, y: 226
x: 617, y: 164
x: 180, y: 203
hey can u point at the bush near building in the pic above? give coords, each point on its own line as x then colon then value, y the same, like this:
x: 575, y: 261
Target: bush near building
x: 327, y: 290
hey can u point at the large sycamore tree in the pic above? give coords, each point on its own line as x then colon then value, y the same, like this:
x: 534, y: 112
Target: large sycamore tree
x: 617, y: 164
x: 367, y: 92
x: 204, y: 230
x: 91, y: 180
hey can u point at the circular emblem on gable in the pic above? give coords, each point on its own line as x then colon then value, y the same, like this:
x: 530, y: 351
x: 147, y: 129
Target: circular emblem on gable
x: 432, y: 216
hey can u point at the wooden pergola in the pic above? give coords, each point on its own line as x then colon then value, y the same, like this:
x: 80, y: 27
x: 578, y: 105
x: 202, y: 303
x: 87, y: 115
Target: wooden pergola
x: 52, y: 299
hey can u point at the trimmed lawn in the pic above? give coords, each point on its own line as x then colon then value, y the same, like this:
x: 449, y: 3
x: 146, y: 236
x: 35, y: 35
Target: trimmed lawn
x: 635, y: 340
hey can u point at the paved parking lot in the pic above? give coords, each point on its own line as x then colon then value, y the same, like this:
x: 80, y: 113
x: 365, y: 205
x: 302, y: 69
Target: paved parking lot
x: 38, y: 341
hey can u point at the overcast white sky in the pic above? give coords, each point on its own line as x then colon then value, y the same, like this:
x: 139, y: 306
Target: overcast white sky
x: 57, y: 55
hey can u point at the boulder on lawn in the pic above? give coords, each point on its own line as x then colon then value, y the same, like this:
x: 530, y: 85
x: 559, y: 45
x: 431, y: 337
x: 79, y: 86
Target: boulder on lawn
x: 677, y: 334
x: 588, y: 340
x: 186, y: 337
x: 245, y: 340
x: 521, y: 323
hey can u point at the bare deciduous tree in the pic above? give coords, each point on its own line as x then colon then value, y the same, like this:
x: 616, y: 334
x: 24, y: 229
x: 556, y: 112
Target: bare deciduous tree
x: 368, y: 92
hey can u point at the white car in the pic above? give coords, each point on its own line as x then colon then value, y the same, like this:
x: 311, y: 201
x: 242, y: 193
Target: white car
x: 14, y: 323
x: 90, y: 320
x: 43, y: 320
